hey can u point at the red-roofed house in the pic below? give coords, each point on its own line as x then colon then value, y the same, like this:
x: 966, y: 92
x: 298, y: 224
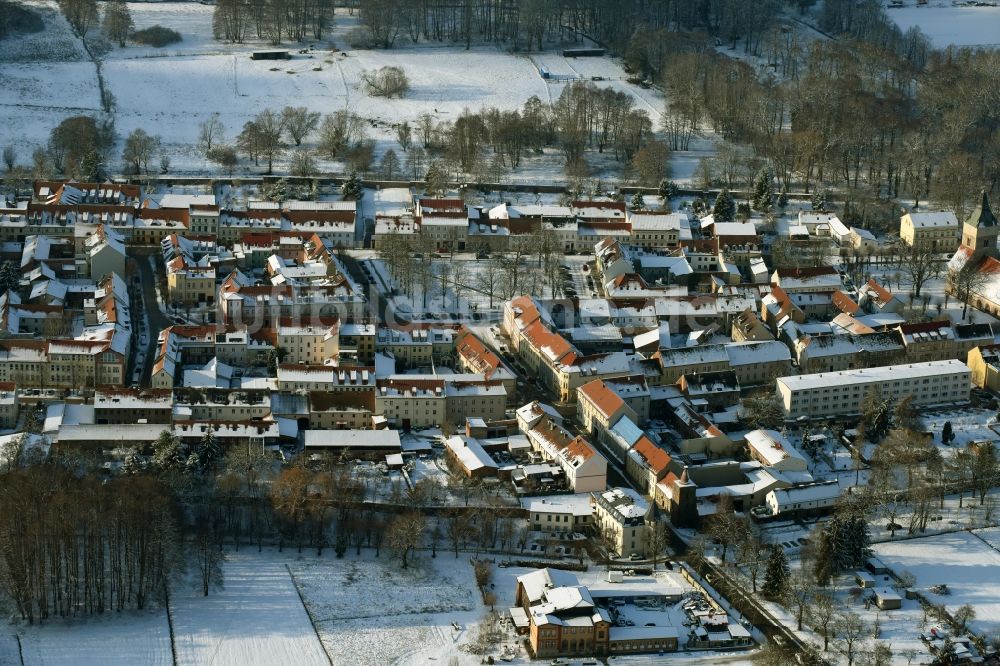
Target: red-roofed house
x: 598, y: 407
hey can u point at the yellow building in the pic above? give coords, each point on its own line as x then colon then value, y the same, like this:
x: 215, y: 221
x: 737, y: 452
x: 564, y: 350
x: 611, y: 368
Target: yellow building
x: 984, y: 364
x: 931, y: 230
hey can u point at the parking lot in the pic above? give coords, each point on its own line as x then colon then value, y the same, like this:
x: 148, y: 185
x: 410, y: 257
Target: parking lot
x: 577, y: 278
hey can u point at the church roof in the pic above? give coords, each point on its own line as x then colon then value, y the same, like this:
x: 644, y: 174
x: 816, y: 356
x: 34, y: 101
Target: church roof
x: 982, y: 215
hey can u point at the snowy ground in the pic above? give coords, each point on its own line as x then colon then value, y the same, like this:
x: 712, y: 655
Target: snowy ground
x: 964, y: 561
x: 140, y: 637
x: 257, y: 618
x: 947, y: 25
x: 369, y: 611
x: 170, y: 91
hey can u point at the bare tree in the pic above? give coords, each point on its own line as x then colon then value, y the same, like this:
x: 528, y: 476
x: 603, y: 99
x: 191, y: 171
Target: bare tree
x: 303, y: 163
x: 139, y: 150
x: 9, y: 157
x: 390, y: 164
x: 209, y: 555
x: 404, y: 534
x: 210, y: 132
x: 799, y: 594
x: 80, y: 14
x: 920, y: 265
x: 966, y: 282
x: 299, y: 121
x: 823, y: 616
x: 117, y: 21
x: 386, y: 81
x: 851, y: 630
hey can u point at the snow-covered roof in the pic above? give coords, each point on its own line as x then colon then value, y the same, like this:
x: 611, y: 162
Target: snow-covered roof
x: 648, y: 222
x: 351, y: 439
x: 470, y: 452
x: 772, y: 447
x: 935, y: 219
x: 822, y: 491
x: 577, y: 504
x: 870, y: 375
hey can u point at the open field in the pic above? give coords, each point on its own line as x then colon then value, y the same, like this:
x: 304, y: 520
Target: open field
x: 369, y: 611
x: 110, y: 640
x: 170, y: 91
x: 946, y: 25
x: 961, y: 560
x: 256, y: 619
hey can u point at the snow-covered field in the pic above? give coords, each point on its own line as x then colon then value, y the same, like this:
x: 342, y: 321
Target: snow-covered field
x: 170, y: 91
x: 946, y: 25
x: 963, y: 561
x: 110, y: 640
x: 369, y: 611
x: 257, y: 619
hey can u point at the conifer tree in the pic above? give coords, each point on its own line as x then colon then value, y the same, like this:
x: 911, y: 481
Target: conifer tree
x: 776, y: 575
x: 352, y: 188
x: 763, y: 191
x: 637, y: 202
x: 725, y: 208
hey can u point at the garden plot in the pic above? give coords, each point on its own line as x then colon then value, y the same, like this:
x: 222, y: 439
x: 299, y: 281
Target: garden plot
x: 257, y: 619
x: 967, y: 564
x: 946, y: 25
x: 369, y: 611
x: 112, y: 639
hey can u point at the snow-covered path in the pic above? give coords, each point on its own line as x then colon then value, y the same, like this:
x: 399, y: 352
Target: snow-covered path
x: 257, y: 618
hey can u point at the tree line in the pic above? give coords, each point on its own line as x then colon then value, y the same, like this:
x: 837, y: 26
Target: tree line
x: 74, y: 545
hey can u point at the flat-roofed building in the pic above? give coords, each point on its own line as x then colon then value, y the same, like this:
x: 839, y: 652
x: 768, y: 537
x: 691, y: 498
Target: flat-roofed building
x: 828, y: 394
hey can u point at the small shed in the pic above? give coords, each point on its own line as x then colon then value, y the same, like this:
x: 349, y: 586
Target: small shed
x: 876, y: 567
x: 592, y: 52
x: 886, y: 599
x: 271, y: 54
x: 394, y: 461
x: 864, y: 579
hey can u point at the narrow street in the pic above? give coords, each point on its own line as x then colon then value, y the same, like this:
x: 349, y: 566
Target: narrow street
x: 155, y: 319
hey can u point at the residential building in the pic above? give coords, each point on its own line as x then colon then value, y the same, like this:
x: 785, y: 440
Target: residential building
x: 598, y: 407
x: 984, y: 366
x: 772, y: 449
x: 931, y: 230
x: 827, y: 394
x: 560, y: 513
x: 585, y: 469
x: 620, y: 517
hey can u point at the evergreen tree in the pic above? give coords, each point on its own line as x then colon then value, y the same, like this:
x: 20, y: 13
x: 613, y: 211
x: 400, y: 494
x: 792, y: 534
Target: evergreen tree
x: 352, y: 188
x: 667, y: 190
x: 209, y: 452
x: 763, y: 191
x: 10, y: 277
x: 819, y: 200
x: 193, y: 466
x: 823, y: 565
x: 947, y: 434
x: 776, y: 575
x: 436, y: 180
x: 637, y: 202
x: 132, y: 463
x: 90, y: 167
x: 783, y: 197
x: 168, y: 453
x: 725, y: 208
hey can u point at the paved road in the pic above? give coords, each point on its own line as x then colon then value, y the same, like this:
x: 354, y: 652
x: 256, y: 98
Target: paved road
x: 156, y: 319
x: 383, y: 306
